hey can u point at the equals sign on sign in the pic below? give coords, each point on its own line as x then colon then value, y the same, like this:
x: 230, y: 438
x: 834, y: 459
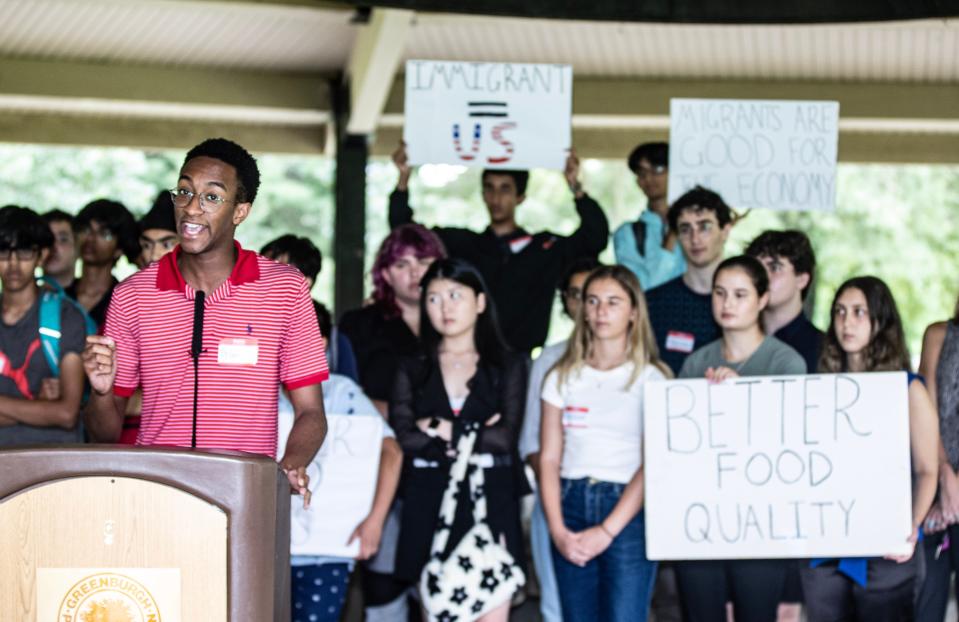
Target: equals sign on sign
x: 487, y: 109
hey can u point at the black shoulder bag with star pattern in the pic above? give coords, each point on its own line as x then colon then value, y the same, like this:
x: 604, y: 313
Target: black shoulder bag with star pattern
x: 480, y: 574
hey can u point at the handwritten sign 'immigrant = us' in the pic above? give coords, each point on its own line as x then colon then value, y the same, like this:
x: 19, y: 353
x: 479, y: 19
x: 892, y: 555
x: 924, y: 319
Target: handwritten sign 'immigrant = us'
x: 490, y: 115
x: 779, y: 466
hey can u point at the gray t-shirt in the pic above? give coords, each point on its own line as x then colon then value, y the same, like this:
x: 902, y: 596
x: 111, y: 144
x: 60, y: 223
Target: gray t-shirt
x: 15, y: 342
x: 771, y: 358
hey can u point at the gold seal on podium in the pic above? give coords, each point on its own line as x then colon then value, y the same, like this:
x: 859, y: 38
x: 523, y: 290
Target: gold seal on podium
x: 108, y: 597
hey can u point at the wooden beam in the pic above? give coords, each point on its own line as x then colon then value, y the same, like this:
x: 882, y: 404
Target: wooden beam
x: 375, y: 58
x: 156, y: 133
x: 143, y: 83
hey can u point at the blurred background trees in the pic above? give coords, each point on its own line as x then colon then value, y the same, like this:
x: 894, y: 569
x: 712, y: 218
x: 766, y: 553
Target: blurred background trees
x: 893, y: 221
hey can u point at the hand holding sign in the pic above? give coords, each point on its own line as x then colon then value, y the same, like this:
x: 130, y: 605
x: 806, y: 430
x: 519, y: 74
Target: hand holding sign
x: 402, y: 162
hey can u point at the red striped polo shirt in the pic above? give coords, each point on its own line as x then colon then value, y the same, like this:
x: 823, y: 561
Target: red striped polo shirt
x: 263, y: 303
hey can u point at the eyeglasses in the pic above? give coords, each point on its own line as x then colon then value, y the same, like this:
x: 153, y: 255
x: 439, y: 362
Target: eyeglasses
x: 22, y: 254
x: 209, y: 202
x: 642, y: 172
x: 573, y: 293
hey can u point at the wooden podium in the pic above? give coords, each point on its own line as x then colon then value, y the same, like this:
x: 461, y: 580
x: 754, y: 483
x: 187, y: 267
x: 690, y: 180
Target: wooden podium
x: 101, y: 532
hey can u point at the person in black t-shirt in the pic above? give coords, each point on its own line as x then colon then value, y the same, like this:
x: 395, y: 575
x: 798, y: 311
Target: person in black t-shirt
x: 521, y: 269
x: 791, y: 264
x: 36, y: 404
x: 680, y: 310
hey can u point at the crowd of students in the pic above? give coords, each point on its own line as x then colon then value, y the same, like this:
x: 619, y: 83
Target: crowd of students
x: 443, y: 350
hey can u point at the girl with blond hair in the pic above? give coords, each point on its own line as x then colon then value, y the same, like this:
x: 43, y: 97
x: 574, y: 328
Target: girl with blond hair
x: 591, y: 454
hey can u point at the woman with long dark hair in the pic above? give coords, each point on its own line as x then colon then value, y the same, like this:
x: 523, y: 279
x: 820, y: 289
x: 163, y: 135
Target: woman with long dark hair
x: 465, y: 376
x: 591, y: 470
x: 740, y: 293
x: 865, y: 335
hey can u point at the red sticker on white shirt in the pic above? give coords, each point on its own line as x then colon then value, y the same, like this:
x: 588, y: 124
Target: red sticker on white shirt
x: 680, y: 342
x: 575, y: 417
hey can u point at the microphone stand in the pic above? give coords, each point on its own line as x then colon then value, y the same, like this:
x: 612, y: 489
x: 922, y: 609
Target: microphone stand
x: 195, y: 350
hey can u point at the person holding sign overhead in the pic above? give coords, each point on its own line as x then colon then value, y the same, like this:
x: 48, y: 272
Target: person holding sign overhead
x: 520, y: 268
x: 591, y: 470
x: 866, y: 335
x: 648, y: 246
x: 740, y: 292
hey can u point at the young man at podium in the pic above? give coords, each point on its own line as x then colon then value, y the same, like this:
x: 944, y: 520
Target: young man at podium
x: 210, y: 330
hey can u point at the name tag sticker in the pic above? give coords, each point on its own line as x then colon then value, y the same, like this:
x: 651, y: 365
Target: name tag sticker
x: 241, y: 352
x: 576, y: 417
x: 680, y: 342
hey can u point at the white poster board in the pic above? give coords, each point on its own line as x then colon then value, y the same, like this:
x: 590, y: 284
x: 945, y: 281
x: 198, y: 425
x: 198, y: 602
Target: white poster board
x: 342, y: 480
x: 787, y: 466
x: 756, y: 153
x: 488, y: 115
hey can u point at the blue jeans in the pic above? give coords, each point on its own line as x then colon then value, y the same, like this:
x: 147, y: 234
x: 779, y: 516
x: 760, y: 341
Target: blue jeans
x: 617, y: 585
x: 542, y: 547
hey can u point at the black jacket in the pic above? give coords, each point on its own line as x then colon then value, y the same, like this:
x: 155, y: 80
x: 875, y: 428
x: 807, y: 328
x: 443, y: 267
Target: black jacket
x: 419, y: 393
x: 522, y: 283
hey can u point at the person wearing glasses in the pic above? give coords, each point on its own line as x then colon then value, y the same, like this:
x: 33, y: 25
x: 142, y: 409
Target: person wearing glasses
x: 106, y: 231
x: 259, y: 330
x: 571, y: 292
x: 36, y: 405
x: 157, y: 230
x: 647, y: 246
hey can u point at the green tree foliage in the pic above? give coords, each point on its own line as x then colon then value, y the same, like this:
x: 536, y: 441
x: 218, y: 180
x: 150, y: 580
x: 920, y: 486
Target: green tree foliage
x: 896, y: 222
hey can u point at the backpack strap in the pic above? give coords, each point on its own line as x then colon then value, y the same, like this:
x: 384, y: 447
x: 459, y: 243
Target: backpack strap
x: 51, y: 299
x: 639, y: 233
x: 50, y: 328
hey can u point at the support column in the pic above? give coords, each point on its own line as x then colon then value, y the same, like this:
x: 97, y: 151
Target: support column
x: 349, y: 228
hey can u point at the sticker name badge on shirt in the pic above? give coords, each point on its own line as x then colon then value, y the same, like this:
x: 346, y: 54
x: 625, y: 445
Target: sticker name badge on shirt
x: 680, y: 342
x: 575, y: 417
x: 519, y: 244
x: 238, y: 352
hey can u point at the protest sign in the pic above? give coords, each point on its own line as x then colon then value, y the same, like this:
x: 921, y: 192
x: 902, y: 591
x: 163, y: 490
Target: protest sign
x: 489, y: 115
x: 788, y: 466
x: 756, y: 153
x: 342, y: 480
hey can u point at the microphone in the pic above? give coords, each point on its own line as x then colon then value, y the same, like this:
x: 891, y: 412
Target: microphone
x: 197, y: 346
x: 195, y: 349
